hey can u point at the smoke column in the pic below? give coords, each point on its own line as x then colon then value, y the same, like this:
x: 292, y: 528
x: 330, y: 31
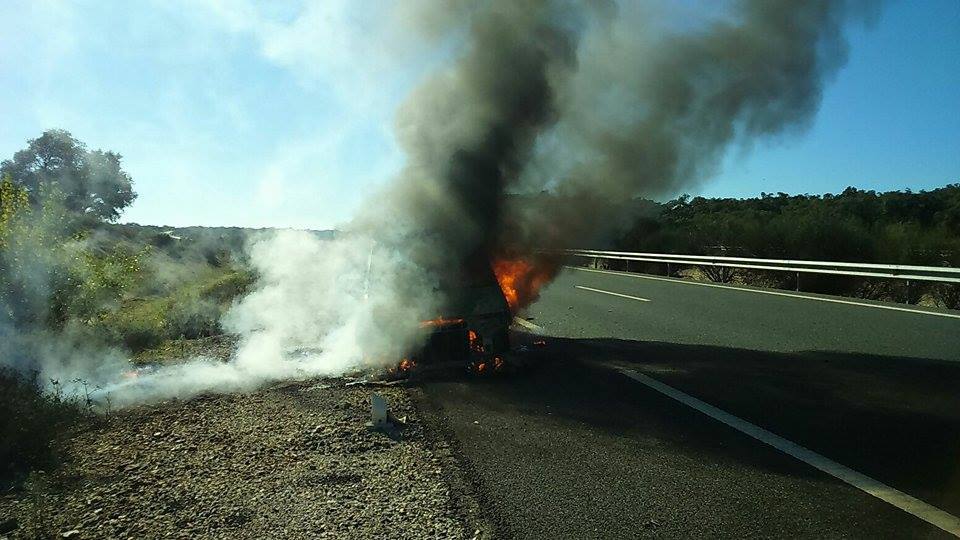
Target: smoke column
x: 652, y: 113
x: 614, y: 106
x: 596, y: 104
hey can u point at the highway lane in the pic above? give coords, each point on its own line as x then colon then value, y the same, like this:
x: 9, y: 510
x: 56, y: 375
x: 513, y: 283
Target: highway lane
x: 680, y: 312
x: 875, y: 389
x: 574, y: 449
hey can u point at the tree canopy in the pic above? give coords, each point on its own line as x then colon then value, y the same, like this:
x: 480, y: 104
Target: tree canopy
x: 92, y: 182
x: 856, y: 225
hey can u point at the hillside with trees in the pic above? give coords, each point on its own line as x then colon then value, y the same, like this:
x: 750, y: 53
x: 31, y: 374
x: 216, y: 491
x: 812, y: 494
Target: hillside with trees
x: 896, y: 227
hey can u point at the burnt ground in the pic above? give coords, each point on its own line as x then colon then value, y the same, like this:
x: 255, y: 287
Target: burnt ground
x: 292, y: 461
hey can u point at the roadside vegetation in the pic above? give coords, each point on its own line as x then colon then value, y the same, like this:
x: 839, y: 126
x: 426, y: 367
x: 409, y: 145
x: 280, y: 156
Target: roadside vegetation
x: 69, y: 274
x: 897, y: 227
x: 30, y: 421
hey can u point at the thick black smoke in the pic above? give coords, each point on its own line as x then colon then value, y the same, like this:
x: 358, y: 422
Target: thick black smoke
x: 470, y: 130
x: 598, y: 103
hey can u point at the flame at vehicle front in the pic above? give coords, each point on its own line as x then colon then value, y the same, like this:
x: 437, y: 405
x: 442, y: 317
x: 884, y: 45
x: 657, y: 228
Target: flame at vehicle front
x: 521, y: 278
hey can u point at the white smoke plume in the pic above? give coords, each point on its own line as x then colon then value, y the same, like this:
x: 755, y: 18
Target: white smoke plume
x: 321, y: 308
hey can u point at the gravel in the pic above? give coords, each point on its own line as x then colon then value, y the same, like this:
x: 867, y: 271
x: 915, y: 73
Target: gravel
x: 291, y: 461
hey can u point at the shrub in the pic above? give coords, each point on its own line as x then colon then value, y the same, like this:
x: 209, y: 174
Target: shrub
x: 192, y: 311
x: 227, y: 287
x: 947, y: 295
x: 30, y: 422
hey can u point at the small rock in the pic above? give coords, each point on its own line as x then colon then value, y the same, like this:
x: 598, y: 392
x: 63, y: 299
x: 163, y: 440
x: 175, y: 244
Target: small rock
x: 70, y: 534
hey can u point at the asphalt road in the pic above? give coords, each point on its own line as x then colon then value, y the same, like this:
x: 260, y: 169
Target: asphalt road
x: 572, y: 448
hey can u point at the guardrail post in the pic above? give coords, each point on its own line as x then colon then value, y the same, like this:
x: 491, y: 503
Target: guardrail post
x: 668, y: 269
x: 798, y: 281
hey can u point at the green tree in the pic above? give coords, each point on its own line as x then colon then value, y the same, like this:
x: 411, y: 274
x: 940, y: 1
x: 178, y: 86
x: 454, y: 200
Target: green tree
x: 49, y: 273
x: 93, y: 183
x: 13, y: 201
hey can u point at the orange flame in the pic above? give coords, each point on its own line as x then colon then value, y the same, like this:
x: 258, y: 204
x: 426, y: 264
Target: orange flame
x: 479, y: 368
x: 439, y: 322
x: 521, y: 279
x: 402, y: 369
x: 476, y: 344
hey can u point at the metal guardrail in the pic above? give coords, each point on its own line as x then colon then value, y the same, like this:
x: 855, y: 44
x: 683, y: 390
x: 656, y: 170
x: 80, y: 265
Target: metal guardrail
x: 944, y: 274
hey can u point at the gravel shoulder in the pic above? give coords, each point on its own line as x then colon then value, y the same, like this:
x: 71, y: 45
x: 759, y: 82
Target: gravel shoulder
x: 296, y: 460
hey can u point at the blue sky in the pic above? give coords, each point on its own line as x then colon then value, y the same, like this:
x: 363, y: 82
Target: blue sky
x: 230, y: 112
x: 890, y: 119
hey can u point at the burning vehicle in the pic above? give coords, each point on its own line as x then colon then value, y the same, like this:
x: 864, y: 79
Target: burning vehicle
x: 481, y: 301
x: 473, y: 327
x: 476, y: 295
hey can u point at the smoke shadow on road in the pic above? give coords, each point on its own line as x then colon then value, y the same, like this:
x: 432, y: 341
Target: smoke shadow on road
x: 897, y: 420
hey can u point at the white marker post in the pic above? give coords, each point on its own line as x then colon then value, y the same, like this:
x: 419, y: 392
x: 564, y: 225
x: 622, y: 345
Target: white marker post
x: 378, y: 412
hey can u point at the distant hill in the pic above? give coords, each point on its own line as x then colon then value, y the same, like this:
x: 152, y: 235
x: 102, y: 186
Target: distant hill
x: 208, y: 243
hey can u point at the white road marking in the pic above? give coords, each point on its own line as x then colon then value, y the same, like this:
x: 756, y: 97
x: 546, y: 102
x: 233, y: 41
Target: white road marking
x: 774, y: 293
x: 901, y: 500
x: 612, y: 293
x: 527, y: 324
